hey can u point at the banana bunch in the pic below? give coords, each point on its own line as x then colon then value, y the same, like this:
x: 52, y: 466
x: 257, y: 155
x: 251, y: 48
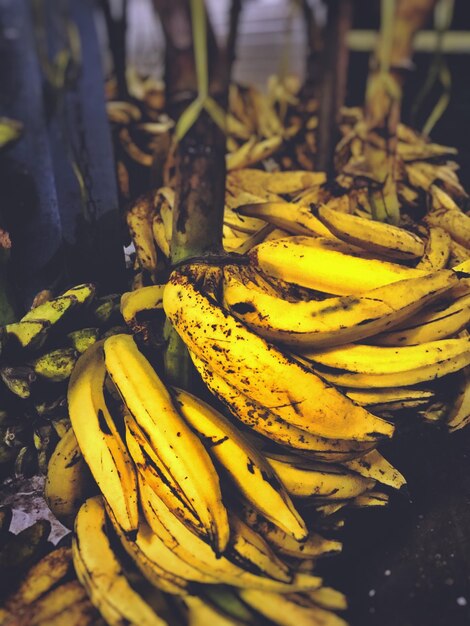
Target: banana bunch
x: 38, y: 354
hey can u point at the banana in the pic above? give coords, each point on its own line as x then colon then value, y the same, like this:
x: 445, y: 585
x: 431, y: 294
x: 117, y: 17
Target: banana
x: 203, y: 613
x: 459, y: 413
x: 139, y: 221
x: 83, y: 338
x: 303, y: 479
x: 326, y: 265
x: 437, y: 321
x: 245, y: 466
x: 447, y: 214
x: 263, y: 421
x: 289, y: 611
x: 231, y: 568
x: 328, y: 598
x: 241, y: 157
x: 332, y: 321
x: 51, y: 310
x: 80, y: 613
x: 18, y: 379
x: 178, y: 448
x: 100, y: 572
x: 54, y: 605
x: 259, y: 370
x: 84, y: 294
x: 68, y: 480
x: 159, y: 477
x: 26, y: 334
x: 158, y: 563
x: 373, y: 465
x: 312, y: 547
x: 227, y: 600
x: 106, y: 308
x: 101, y: 445
x: 370, y: 498
x: 458, y: 253
x: 139, y: 301
x: 436, y: 251
x: 41, y: 578
x: 357, y: 365
x: 378, y: 237
x: 391, y: 398
x: 56, y: 365
x: 296, y: 219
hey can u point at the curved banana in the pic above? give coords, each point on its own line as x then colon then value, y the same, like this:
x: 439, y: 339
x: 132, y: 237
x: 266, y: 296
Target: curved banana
x: 327, y: 265
x: 296, y: 219
x: 289, y: 611
x: 246, y: 467
x: 177, y: 447
x: 262, y: 372
x: 56, y: 365
x: 446, y: 214
x: 438, y: 321
x: 103, y: 450
x: 370, y: 498
x: 436, y: 251
x: 139, y: 221
x: 68, y: 480
x: 202, y: 613
x: 83, y: 338
x: 328, y: 598
x: 309, y: 479
x: 357, y: 365
x: 391, y: 398
x: 100, y: 572
x: 332, y: 321
x: 373, y: 465
x: 54, y: 606
x: 140, y: 300
x: 263, y: 421
x: 231, y: 568
x: 378, y: 237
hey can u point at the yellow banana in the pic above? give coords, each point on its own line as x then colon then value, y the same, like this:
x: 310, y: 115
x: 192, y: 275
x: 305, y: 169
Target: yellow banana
x: 458, y: 253
x: 357, y: 365
x: 328, y: 598
x: 373, y: 465
x: 262, y: 372
x: 54, y: 605
x: 26, y: 334
x: 178, y: 448
x: 18, y: 379
x: 159, y: 235
x: 436, y: 251
x: 68, y: 480
x: 447, y: 214
x: 303, y: 479
x: 459, y: 413
x: 378, y: 237
x: 99, y: 441
x: 231, y: 568
x: 101, y: 573
x: 295, y: 218
x: 137, y: 302
x: 370, y: 498
x: 245, y: 466
x: 139, y: 221
x: 83, y: 338
x: 327, y: 265
x: 391, y: 398
x: 56, y: 365
x: 202, y: 613
x: 332, y: 321
x: 263, y: 421
x: 289, y: 611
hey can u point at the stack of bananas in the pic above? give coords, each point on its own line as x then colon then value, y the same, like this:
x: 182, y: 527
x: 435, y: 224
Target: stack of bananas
x: 38, y: 354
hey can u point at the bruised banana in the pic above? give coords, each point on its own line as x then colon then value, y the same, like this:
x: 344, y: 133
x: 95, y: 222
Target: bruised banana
x: 139, y: 221
x: 140, y: 300
x: 296, y: 219
x: 233, y: 568
x: 262, y: 372
x: 178, y: 448
x: 83, y: 338
x: 102, y: 447
x: 436, y: 251
x: 447, y: 214
x: 332, y: 321
x: 326, y: 265
x: 246, y: 467
x: 264, y: 422
x: 56, y: 365
x: 102, y: 575
x: 391, y: 398
x: 324, y: 481
x: 374, y: 466
x: 362, y: 366
x: 378, y: 237
x: 438, y: 321
x: 54, y: 607
x: 68, y: 480
x: 289, y: 611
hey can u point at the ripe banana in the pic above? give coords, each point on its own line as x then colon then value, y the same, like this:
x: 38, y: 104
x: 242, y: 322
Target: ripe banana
x: 83, y: 338
x: 56, y: 365
x: 304, y: 479
x: 231, y: 568
x: 296, y: 219
x: 391, y: 398
x: 328, y: 598
x: 18, y: 379
x: 378, y: 237
x: 326, y: 265
x: 263, y: 421
x: 139, y: 221
x: 101, y: 445
x: 68, y: 481
x: 459, y: 413
x: 373, y: 465
x: 100, y: 572
x: 446, y: 214
x: 357, y: 365
x: 438, y: 321
x: 370, y: 498
x: 200, y: 612
x: 26, y: 334
x: 289, y: 611
x: 177, y: 447
x: 245, y: 466
x: 332, y: 321
x: 436, y: 251
x: 262, y: 372
x: 145, y: 299
x: 55, y: 605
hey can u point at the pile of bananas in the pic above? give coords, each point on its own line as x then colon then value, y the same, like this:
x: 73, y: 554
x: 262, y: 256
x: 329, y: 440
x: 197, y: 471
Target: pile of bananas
x: 38, y: 354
